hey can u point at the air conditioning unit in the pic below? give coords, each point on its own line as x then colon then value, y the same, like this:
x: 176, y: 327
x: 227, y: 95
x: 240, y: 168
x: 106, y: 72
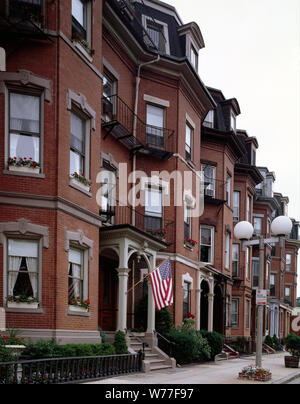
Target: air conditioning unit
x: 210, y: 192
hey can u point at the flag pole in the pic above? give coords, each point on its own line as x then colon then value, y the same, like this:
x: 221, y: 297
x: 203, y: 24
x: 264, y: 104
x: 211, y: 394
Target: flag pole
x: 145, y: 277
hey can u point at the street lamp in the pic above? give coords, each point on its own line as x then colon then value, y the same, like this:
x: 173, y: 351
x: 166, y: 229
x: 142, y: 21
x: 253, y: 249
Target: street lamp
x: 281, y: 226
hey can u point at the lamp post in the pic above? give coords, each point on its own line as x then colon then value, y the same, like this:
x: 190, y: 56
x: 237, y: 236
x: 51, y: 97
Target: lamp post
x: 243, y: 231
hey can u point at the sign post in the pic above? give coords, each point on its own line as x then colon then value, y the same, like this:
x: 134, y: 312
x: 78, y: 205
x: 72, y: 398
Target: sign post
x: 261, y: 297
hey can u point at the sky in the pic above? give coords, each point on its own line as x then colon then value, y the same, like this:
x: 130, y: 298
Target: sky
x: 252, y: 53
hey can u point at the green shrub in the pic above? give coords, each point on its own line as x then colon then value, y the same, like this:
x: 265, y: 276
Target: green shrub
x: 120, y: 343
x: 189, y: 345
x: 215, y: 341
x: 41, y: 349
x: 163, y: 320
x: 103, y: 349
x: 269, y: 341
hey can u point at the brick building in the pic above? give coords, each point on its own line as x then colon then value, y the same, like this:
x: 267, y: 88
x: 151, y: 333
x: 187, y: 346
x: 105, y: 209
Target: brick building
x: 118, y: 103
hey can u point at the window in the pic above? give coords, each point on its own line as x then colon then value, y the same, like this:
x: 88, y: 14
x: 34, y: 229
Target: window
x: 273, y: 284
x: 153, y: 208
x: 248, y: 212
x: 247, y: 314
x: 287, y: 291
x: 227, y: 251
x: 228, y: 189
x: 209, y: 119
x: 194, y: 58
x: 155, y: 118
x: 25, y: 126
x: 187, y: 222
x: 236, y: 206
x: 235, y: 313
x: 255, y: 272
x: 232, y: 122
x: 257, y: 226
x: 156, y: 33
x: 188, y: 142
x: 248, y: 263
x: 235, y: 259
x: 108, y: 193
x: 78, y: 147
x: 207, y: 244
x: 23, y: 268
x: 209, y: 178
x: 76, y: 274
x: 79, y: 19
x: 288, y: 262
x: 186, y: 298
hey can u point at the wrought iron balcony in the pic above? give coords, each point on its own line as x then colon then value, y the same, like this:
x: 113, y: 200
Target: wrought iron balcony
x: 23, y: 18
x: 156, y: 227
x: 120, y: 121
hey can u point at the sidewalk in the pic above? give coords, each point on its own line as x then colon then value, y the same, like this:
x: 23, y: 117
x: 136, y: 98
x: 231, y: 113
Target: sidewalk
x: 223, y: 372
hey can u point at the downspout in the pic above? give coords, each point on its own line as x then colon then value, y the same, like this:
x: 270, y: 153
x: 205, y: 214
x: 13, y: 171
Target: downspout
x: 137, y: 87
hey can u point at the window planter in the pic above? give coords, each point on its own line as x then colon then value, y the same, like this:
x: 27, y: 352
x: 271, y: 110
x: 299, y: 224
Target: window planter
x: 22, y: 305
x: 78, y: 184
x: 78, y: 309
x: 29, y: 170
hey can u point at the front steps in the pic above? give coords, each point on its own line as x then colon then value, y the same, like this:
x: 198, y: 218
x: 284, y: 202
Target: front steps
x: 155, y: 358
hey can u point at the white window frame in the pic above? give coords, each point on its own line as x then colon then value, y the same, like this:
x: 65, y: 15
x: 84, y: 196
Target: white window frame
x: 189, y: 129
x: 288, y: 263
x: 146, y: 19
x: 236, y: 207
x: 236, y: 252
x: 87, y: 5
x: 235, y: 312
x: 209, y: 119
x: 85, y: 269
x: 212, y: 246
x: 227, y: 251
x: 258, y: 225
x: 228, y: 188
x: 248, y: 210
x: 247, y: 259
x: 210, y: 190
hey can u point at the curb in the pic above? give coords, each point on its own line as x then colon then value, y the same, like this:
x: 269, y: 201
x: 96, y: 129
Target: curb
x: 288, y: 379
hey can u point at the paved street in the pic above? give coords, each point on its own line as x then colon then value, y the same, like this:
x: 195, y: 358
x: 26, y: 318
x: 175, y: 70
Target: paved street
x: 224, y: 372
x: 295, y: 381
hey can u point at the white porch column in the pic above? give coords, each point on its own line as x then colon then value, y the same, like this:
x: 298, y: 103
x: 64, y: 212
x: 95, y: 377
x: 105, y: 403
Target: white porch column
x: 198, y: 300
x: 151, y: 303
x: 122, y: 298
x: 210, y: 311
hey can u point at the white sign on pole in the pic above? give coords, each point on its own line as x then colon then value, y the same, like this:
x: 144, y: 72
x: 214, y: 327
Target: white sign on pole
x: 261, y: 297
x: 2, y: 60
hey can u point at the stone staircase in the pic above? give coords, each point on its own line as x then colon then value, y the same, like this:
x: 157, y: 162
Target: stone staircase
x: 227, y: 354
x: 155, y: 358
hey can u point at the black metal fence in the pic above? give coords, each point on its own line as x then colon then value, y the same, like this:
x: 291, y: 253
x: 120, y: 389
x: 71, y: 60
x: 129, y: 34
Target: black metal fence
x: 69, y: 370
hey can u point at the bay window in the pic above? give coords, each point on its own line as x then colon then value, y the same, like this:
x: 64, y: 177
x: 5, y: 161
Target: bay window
x: 23, y: 268
x: 209, y: 178
x: 288, y: 262
x: 76, y: 274
x: 188, y: 142
x: 235, y: 313
x: 257, y: 226
x: 24, y: 126
x: 235, y: 259
x: 228, y: 189
x: 227, y: 251
x: 236, y: 206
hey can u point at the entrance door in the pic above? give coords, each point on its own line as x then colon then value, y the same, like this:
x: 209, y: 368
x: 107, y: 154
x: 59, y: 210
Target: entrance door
x: 108, y: 294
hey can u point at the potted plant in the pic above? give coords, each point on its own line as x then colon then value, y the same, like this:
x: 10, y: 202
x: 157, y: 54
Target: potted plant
x: 292, y: 345
x: 253, y: 373
x: 160, y: 233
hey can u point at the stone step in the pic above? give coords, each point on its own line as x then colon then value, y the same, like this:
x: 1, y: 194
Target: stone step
x: 159, y: 367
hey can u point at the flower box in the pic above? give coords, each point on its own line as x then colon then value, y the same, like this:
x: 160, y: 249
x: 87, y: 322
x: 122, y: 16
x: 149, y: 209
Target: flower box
x: 22, y: 305
x: 78, y: 309
x: 24, y: 169
x: 80, y: 185
x: 256, y: 374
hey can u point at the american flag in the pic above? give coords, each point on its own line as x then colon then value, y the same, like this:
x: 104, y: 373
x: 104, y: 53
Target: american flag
x: 161, y: 283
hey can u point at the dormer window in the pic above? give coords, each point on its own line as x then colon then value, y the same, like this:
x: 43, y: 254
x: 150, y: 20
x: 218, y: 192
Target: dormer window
x: 209, y: 119
x: 156, y: 35
x: 194, y: 58
x: 232, y: 122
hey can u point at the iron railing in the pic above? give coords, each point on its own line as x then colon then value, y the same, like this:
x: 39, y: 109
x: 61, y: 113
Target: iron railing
x: 69, y: 370
x: 157, y: 227
x: 164, y: 344
x: 116, y: 113
x: 32, y: 10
